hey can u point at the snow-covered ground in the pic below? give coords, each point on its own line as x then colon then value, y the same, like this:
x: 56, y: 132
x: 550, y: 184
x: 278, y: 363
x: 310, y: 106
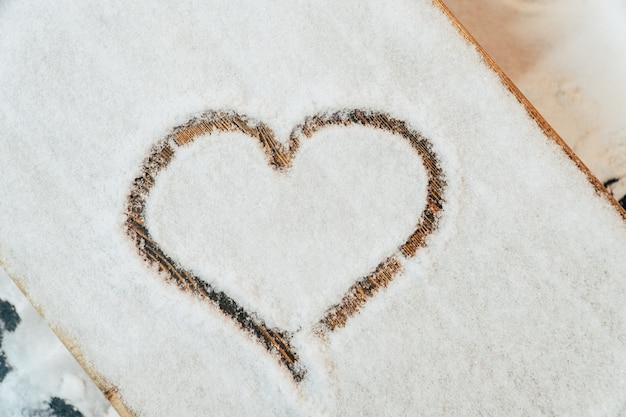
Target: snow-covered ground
x: 566, y: 55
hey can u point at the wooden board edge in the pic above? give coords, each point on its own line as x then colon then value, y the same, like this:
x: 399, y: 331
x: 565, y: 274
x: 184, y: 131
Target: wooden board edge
x: 109, y: 390
x: 547, y: 129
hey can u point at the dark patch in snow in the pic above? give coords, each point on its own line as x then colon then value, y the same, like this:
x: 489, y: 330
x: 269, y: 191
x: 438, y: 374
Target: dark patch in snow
x: 622, y: 202
x: 60, y: 408
x: 57, y: 407
x: 9, y: 319
x: 8, y: 316
x: 5, y: 368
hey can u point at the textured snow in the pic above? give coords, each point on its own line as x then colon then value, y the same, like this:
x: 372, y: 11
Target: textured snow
x: 514, y: 308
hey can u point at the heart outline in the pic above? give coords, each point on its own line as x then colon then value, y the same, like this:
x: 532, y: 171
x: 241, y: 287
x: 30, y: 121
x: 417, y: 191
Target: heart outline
x: 277, y: 341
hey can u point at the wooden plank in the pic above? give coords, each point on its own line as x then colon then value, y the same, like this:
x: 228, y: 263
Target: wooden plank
x: 284, y: 157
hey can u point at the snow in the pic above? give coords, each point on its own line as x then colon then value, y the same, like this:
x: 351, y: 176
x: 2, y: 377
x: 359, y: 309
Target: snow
x: 40, y: 368
x: 515, y: 307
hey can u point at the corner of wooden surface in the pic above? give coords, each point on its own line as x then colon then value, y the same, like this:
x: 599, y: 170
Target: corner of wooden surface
x: 108, y: 390
x: 547, y: 129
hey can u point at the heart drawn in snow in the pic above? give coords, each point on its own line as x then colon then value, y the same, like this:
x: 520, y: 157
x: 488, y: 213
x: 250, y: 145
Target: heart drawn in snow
x: 359, y: 289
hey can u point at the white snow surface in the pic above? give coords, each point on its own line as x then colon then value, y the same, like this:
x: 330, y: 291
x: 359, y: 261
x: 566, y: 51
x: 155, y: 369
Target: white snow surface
x: 515, y: 307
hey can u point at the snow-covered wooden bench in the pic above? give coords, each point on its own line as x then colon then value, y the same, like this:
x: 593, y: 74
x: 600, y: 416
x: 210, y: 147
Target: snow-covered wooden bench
x: 289, y: 208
